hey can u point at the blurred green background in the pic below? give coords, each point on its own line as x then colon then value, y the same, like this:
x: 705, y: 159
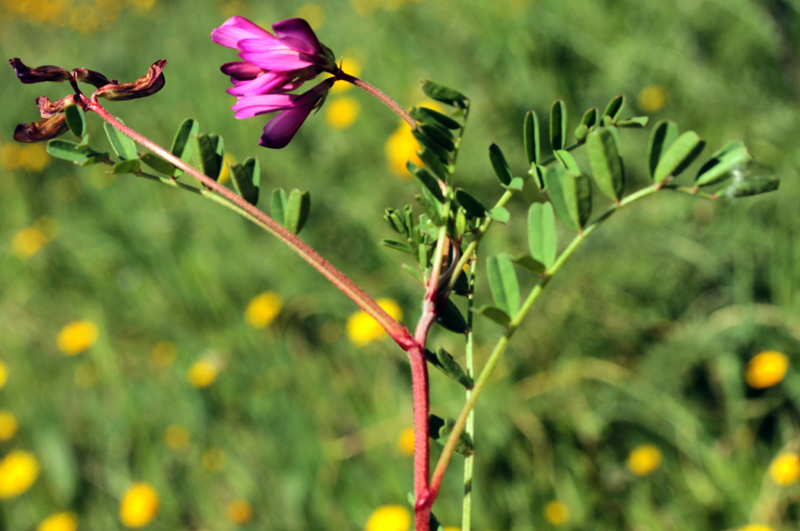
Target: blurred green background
x: 643, y: 339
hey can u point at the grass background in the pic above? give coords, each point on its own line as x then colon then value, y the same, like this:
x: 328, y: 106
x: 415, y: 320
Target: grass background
x: 642, y: 338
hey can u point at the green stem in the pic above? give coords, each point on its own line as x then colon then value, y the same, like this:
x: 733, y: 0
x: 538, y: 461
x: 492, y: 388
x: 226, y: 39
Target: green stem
x: 502, y: 343
x: 469, y: 428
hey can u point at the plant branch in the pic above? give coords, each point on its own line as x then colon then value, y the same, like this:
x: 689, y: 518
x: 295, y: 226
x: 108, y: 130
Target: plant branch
x: 385, y: 99
x: 223, y: 195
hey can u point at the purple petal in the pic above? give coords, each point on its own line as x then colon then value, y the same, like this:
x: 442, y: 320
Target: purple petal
x: 237, y: 28
x: 241, y: 70
x: 262, y: 84
x: 297, y: 33
x: 280, y: 130
x: 273, y: 55
x: 249, y: 106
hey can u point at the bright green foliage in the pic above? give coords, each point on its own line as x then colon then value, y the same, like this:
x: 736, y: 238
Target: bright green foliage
x: 246, y: 178
x: 80, y: 154
x: 503, y: 283
x: 678, y: 156
x: 76, y: 120
x: 124, y: 147
x: 606, y: 162
x: 558, y: 125
x: 439, y: 429
x: 500, y: 165
x: 211, y: 151
x: 542, y: 236
x: 734, y: 156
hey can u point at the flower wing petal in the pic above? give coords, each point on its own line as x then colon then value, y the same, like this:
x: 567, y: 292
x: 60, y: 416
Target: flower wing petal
x: 297, y: 33
x: 249, y: 106
x: 280, y: 130
x: 238, y: 28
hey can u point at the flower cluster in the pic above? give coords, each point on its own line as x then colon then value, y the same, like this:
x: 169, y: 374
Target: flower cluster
x: 53, y: 122
x: 272, y: 66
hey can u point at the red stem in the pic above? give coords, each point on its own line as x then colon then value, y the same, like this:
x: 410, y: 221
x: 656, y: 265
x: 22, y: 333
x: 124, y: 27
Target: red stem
x: 396, y: 330
x: 383, y: 97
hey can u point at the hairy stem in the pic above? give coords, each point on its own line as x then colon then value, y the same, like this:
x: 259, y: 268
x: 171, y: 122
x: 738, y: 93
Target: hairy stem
x: 385, y: 99
x: 396, y: 330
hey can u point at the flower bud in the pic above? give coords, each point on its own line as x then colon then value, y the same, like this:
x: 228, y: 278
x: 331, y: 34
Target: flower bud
x: 42, y: 130
x: 41, y: 73
x: 84, y: 75
x: 49, y: 108
x: 144, y: 86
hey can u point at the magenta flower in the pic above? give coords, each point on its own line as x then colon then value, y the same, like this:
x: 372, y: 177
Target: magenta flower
x: 273, y: 66
x: 272, y: 63
x: 292, y: 110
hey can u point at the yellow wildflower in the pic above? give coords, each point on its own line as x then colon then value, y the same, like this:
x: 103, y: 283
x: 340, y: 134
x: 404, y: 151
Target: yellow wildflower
x: 313, y: 13
x: 756, y: 527
x: 766, y: 369
x: 76, y: 337
x: 341, y: 113
x: 389, y: 518
x: 556, y: 512
x: 18, y: 470
x: 203, y: 373
x: 3, y: 374
x: 363, y: 329
x: 406, y: 441
x: 66, y: 521
x: 32, y: 157
x: 8, y: 425
x: 139, y: 505
x: 401, y: 146
x: 176, y: 437
x: 652, y: 98
x: 28, y: 242
x: 644, y: 459
x: 239, y: 512
x: 785, y: 469
x: 213, y: 459
x: 263, y: 309
x: 164, y: 353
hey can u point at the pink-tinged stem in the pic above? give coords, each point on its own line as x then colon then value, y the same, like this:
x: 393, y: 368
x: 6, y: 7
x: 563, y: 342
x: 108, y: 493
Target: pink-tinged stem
x: 396, y: 330
x: 386, y: 100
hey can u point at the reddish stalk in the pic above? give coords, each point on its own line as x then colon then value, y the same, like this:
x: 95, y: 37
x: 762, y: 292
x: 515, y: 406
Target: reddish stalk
x: 385, y: 99
x: 396, y: 330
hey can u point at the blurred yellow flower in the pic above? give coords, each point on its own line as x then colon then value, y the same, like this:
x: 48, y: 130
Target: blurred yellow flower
x: 66, y: 521
x: 32, y: 157
x: 313, y: 13
x: 27, y: 242
x: 164, y: 353
x: 401, y: 146
x: 389, y: 518
x: 405, y: 443
x: 203, y: 373
x: 652, y: 98
x: 350, y: 65
x: 756, y: 527
x: 342, y: 112
x: 3, y: 374
x: 213, y: 459
x: 452, y: 528
x: 363, y: 329
x: 644, y: 460
x: 176, y: 437
x: 556, y: 513
x: 76, y: 337
x: 18, y: 470
x: 239, y: 512
x: 139, y: 505
x: 8, y: 426
x: 785, y: 469
x: 766, y: 369
x: 263, y: 309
